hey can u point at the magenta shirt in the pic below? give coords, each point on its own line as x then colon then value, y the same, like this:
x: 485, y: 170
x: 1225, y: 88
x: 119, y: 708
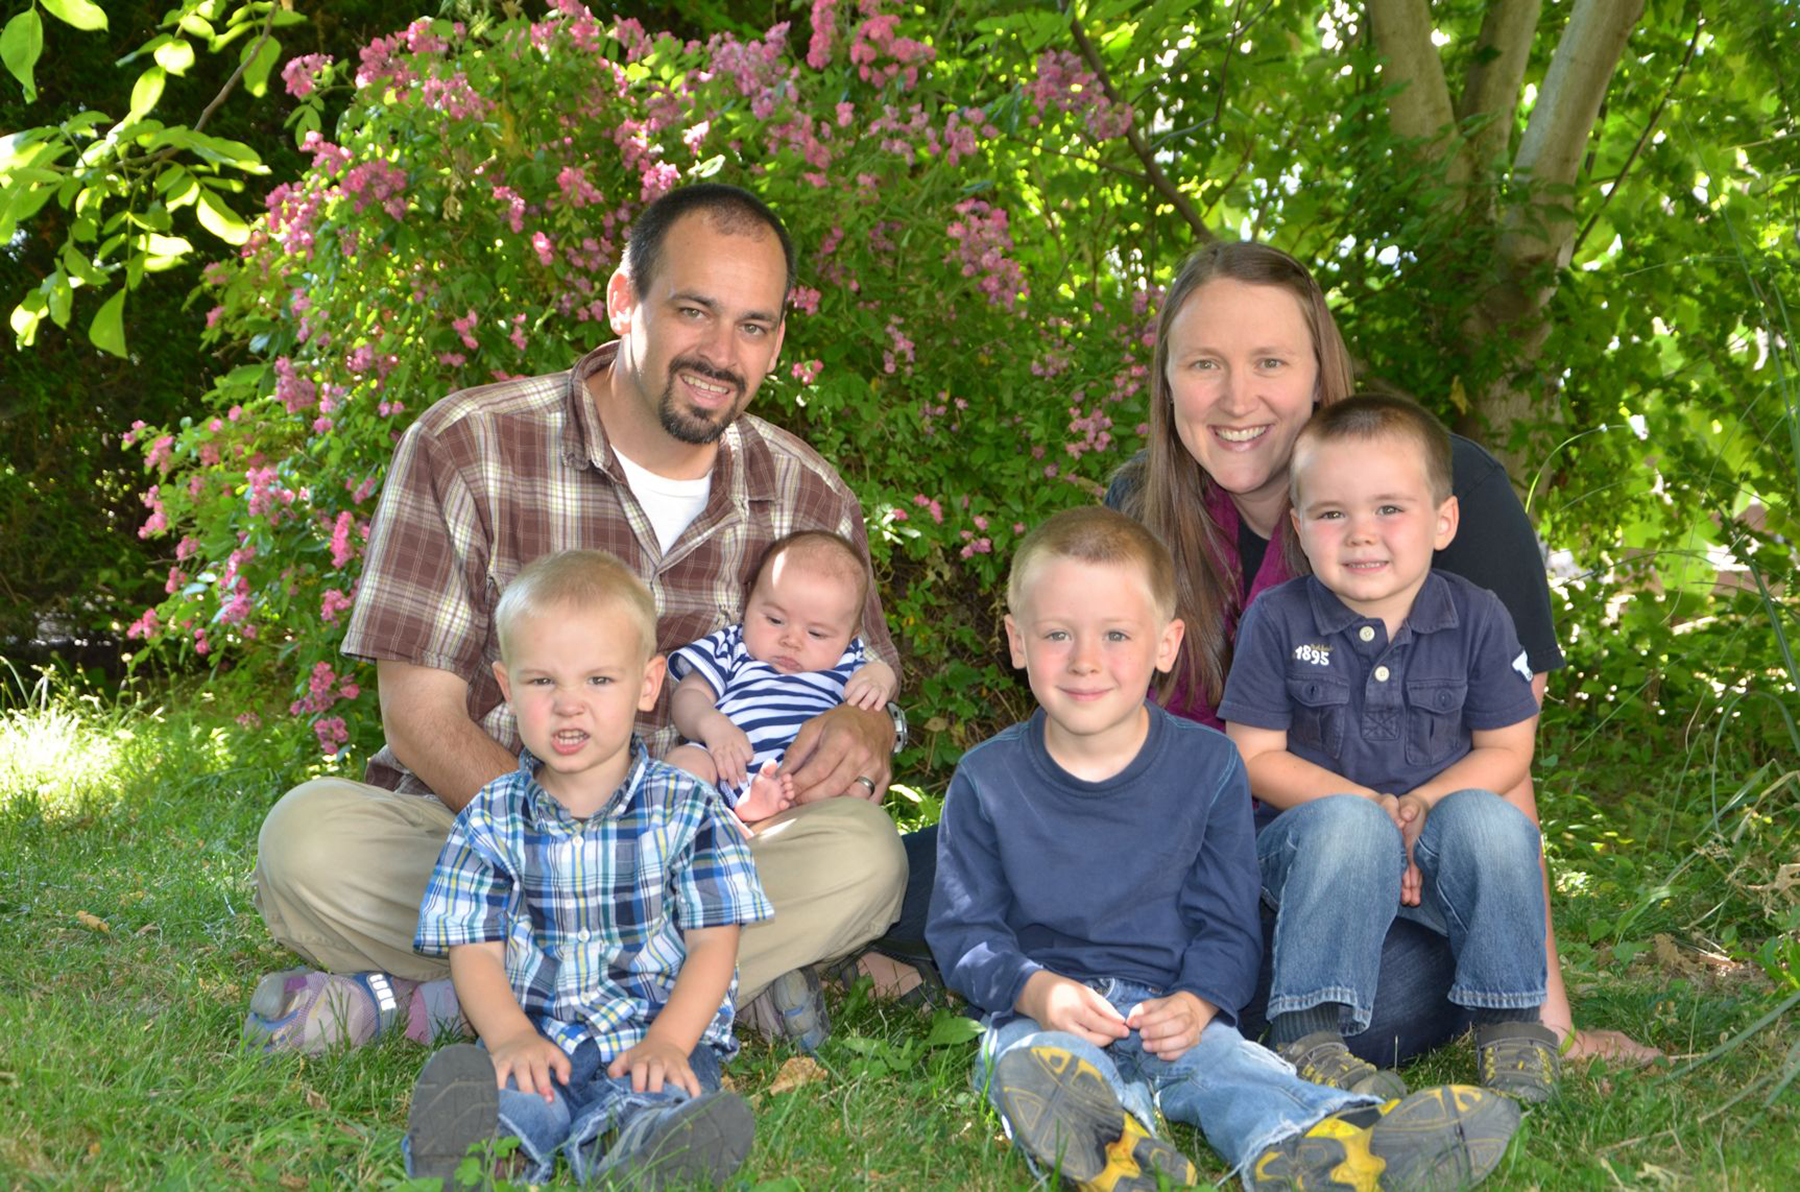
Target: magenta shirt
x: 1193, y: 705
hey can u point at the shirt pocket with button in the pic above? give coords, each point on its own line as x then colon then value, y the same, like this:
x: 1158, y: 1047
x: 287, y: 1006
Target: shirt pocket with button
x: 1434, y: 720
x: 1320, y: 704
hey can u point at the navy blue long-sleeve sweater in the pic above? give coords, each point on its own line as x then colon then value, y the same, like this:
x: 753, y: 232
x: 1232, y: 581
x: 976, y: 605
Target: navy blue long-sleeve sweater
x: 1149, y: 876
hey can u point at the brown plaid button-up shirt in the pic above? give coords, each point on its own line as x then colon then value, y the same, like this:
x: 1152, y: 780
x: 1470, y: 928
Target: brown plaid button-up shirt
x: 493, y: 477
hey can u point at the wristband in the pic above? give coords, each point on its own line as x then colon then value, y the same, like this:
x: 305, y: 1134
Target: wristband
x: 898, y: 716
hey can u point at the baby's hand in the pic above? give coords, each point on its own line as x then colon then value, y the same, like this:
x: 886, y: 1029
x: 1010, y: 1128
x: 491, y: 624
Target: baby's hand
x: 871, y: 686
x: 730, y: 750
x: 531, y: 1061
x: 654, y: 1063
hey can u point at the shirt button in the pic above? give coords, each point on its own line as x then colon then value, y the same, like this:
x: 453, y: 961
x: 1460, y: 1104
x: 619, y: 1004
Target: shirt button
x: 1381, y: 674
x: 582, y: 935
x: 1366, y: 633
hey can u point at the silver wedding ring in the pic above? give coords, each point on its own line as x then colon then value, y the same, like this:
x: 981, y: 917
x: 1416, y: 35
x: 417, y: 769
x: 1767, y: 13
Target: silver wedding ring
x: 868, y: 782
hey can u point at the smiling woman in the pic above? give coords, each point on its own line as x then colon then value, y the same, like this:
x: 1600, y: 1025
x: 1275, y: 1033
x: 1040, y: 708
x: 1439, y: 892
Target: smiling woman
x: 1246, y: 350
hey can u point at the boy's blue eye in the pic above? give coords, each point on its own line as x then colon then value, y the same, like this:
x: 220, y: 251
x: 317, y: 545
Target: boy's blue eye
x: 1389, y: 510
x: 1117, y: 635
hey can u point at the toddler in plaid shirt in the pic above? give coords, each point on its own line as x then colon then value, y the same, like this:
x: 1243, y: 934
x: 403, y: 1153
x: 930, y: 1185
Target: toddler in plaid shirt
x: 590, y: 904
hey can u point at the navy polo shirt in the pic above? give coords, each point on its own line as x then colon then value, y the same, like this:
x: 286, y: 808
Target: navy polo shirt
x: 1388, y: 715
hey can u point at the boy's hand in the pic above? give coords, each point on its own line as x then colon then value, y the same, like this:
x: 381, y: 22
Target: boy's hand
x: 1410, y: 811
x: 653, y: 1063
x: 730, y: 749
x: 1060, y: 1004
x: 1170, y: 1025
x: 532, y: 1061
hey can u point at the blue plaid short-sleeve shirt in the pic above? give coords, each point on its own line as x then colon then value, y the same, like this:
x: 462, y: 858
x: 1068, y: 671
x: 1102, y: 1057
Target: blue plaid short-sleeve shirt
x: 592, y: 911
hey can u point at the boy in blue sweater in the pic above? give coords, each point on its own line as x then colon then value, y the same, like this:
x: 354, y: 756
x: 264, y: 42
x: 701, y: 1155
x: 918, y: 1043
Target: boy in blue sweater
x: 1096, y: 902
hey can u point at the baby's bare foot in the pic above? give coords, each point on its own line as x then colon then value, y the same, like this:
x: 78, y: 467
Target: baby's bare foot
x: 769, y: 794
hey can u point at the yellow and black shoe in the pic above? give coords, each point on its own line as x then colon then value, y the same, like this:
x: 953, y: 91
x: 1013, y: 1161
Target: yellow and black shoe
x: 1439, y: 1138
x: 1068, y: 1119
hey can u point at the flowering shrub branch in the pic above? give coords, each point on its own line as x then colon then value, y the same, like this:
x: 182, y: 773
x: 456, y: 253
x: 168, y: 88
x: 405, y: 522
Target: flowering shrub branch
x: 457, y: 225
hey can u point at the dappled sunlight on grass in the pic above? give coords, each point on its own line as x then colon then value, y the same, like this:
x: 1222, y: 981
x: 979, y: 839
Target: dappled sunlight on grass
x: 67, y: 760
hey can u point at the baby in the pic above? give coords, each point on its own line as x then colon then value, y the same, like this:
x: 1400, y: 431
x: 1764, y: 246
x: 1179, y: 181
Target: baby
x: 745, y: 691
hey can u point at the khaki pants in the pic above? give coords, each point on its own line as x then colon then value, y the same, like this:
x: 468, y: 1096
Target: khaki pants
x: 342, y: 866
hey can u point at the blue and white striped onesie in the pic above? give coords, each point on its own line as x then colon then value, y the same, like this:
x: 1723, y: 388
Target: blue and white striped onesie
x: 768, y: 705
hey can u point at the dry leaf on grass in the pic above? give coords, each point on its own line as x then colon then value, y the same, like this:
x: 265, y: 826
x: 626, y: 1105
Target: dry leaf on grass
x: 801, y: 1070
x: 91, y: 922
x: 316, y: 1100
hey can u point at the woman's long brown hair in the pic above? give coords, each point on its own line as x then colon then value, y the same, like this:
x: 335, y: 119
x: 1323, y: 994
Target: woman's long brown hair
x: 1172, y: 493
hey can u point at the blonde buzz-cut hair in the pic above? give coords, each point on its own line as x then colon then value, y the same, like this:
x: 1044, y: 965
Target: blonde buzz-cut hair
x: 577, y: 579
x: 1095, y: 534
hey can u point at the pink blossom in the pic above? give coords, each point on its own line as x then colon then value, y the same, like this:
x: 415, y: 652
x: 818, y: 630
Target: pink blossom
x: 158, y: 521
x: 659, y: 180
x: 331, y: 604
x: 982, y: 241
x: 577, y: 191
x: 343, y: 549
x: 301, y: 75
x: 805, y: 298
x: 332, y: 734
x: 824, y: 27
x: 248, y: 721
x: 146, y: 626
x: 377, y: 182
x: 515, y: 207
x: 546, y: 252
x: 807, y: 371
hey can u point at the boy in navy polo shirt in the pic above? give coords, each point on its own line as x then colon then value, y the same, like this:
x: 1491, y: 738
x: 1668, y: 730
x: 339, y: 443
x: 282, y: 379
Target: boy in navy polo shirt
x: 1096, y: 901
x: 1378, y: 705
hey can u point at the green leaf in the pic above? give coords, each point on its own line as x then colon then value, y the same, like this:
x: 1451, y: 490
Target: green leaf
x: 145, y: 92
x: 107, y: 331
x: 257, y: 65
x: 949, y: 1029
x: 175, y: 56
x: 80, y: 267
x: 221, y: 220
x: 60, y: 297
x: 25, y: 318
x: 21, y: 43
x: 79, y: 13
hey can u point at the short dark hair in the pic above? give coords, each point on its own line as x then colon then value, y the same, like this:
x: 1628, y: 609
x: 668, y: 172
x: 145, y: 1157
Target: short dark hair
x: 824, y: 549
x: 731, y: 208
x: 1373, y: 416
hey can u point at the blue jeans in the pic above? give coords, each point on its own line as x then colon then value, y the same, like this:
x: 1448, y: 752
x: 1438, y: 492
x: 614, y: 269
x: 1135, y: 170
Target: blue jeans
x: 1331, y: 868
x: 1242, y: 1096
x: 585, y: 1109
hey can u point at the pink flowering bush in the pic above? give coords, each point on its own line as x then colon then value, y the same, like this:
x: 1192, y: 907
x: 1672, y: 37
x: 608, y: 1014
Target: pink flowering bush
x: 960, y: 343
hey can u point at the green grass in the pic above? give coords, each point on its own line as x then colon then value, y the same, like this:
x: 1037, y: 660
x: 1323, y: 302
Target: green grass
x: 129, y: 946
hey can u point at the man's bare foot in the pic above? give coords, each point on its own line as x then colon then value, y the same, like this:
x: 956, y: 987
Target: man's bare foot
x: 1613, y: 1046
x: 893, y: 979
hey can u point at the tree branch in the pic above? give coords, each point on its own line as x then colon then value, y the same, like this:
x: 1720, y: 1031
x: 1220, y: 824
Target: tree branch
x: 244, y: 60
x: 1492, y: 89
x: 1159, y: 181
x: 1421, y: 107
x: 1643, y: 139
